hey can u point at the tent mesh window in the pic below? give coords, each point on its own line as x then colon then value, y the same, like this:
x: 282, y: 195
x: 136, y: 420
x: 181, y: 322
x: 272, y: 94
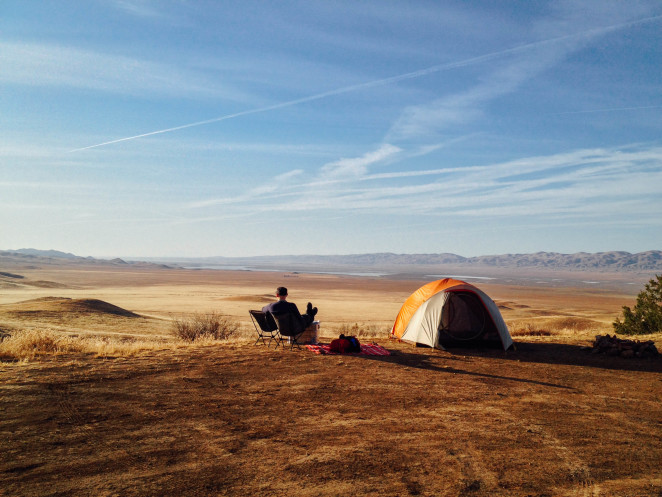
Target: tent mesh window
x: 464, y: 319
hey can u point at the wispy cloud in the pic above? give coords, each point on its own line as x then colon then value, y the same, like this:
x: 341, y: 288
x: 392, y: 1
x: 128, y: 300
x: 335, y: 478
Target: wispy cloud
x: 583, y: 182
x: 358, y: 166
x: 516, y: 67
x: 611, y: 109
x: 293, y: 183
x: 366, y: 120
x: 46, y: 185
x: 277, y: 187
x: 453, y: 111
x: 442, y: 110
x: 39, y: 64
x: 141, y: 8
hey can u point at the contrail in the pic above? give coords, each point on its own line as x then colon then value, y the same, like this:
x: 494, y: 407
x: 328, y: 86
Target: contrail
x: 382, y: 82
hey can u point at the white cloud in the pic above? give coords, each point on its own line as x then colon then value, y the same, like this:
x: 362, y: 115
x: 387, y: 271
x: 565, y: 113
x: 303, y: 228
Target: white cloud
x: 358, y: 166
x: 455, y: 110
x: 37, y: 64
x: 514, y: 68
x: 278, y: 187
x: 141, y: 8
x: 582, y: 182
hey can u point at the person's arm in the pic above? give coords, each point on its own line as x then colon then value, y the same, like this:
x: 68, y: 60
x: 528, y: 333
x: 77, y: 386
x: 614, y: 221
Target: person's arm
x: 295, y: 310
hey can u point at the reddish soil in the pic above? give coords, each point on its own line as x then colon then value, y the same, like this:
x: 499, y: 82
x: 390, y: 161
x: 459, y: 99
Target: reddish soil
x: 544, y: 420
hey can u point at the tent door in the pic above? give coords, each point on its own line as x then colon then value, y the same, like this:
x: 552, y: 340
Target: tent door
x: 463, y: 318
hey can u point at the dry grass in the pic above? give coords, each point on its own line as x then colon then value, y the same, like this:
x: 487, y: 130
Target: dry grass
x: 566, y: 327
x: 117, y: 405
x: 545, y: 419
x: 361, y: 330
x: 31, y: 343
x: 530, y: 330
x: 210, y: 325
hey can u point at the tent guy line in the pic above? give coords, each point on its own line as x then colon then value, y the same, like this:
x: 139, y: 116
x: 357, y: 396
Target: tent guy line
x: 382, y: 82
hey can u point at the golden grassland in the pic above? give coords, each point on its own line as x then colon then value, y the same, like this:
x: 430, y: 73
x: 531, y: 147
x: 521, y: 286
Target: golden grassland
x: 100, y: 397
x: 69, y: 309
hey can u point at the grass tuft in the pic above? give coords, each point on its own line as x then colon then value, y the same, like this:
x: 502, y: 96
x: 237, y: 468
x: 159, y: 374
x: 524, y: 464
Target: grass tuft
x: 211, y: 325
x: 31, y: 343
x: 547, y: 326
x: 531, y: 330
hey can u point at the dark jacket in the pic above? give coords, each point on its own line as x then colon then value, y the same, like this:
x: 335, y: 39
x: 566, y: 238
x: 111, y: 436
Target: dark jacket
x: 282, y: 306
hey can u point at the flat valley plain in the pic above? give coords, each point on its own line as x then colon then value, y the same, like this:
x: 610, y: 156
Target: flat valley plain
x: 549, y: 418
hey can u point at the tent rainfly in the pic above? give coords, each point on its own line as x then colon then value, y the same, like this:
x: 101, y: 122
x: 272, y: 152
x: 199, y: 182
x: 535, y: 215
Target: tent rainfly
x: 450, y: 312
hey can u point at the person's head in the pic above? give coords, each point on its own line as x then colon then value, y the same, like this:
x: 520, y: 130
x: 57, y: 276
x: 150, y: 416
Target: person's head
x: 281, y: 292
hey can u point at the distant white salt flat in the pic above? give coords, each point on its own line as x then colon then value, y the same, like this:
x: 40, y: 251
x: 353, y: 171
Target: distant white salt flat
x: 460, y: 277
x: 347, y: 273
x: 218, y: 267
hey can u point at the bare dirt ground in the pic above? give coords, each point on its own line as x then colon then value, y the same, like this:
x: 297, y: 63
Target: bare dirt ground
x: 546, y: 419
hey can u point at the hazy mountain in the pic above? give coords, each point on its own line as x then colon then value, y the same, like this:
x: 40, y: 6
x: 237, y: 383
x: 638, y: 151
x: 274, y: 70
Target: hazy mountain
x: 36, y: 258
x: 650, y: 260
x: 45, y: 253
x: 602, y: 261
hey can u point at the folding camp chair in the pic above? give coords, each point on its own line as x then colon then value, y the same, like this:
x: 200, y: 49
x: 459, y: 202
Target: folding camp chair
x: 289, y: 326
x: 265, y: 327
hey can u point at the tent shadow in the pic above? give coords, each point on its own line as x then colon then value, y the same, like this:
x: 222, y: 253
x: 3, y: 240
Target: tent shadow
x: 560, y: 353
x: 432, y: 361
x: 526, y: 352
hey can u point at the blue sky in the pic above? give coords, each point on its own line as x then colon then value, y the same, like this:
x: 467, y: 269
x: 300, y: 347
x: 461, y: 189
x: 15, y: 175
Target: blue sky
x: 200, y: 128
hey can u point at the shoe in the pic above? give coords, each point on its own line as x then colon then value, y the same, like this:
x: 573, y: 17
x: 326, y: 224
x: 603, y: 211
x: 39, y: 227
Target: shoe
x: 313, y: 312
x: 309, y: 308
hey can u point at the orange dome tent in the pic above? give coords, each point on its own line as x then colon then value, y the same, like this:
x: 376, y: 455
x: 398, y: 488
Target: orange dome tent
x: 450, y: 312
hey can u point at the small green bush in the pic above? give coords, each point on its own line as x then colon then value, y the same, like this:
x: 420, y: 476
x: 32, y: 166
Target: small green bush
x: 646, y: 317
x: 212, y: 325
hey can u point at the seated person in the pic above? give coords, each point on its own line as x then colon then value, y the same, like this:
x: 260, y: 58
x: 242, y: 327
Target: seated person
x: 282, y: 306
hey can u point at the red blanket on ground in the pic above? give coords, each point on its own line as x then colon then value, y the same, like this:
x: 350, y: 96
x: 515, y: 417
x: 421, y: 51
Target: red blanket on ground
x: 366, y: 349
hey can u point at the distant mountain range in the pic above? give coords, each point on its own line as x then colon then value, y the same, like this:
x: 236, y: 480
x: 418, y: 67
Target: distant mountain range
x: 44, y: 253
x: 35, y: 257
x: 602, y: 261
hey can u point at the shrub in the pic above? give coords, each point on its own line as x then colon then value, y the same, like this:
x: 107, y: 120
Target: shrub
x: 573, y: 323
x: 646, y: 317
x: 212, y: 325
x: 30, y: 343
x: 531, y: 330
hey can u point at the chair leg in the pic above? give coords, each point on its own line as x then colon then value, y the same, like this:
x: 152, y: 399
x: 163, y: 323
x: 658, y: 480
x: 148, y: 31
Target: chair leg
x: 260, y: 335
x: 279, y: 340
x: 294, y: 340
